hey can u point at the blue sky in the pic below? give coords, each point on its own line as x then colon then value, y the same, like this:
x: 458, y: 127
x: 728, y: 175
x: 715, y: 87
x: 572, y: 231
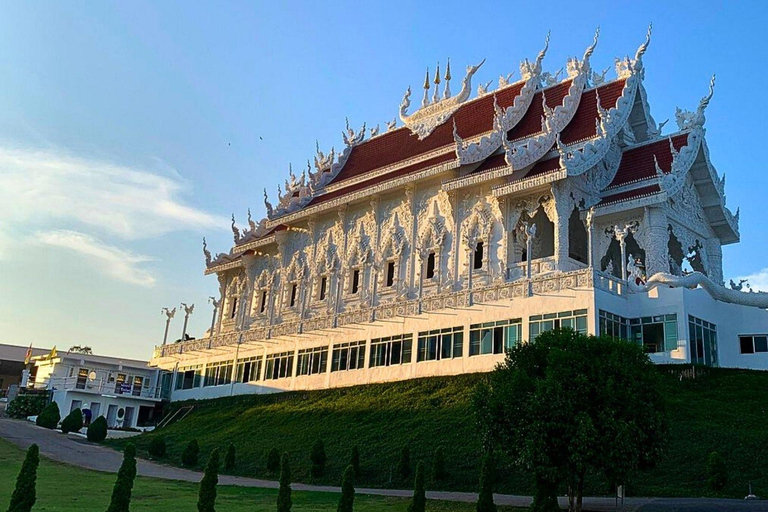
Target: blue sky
x: 130, y: 130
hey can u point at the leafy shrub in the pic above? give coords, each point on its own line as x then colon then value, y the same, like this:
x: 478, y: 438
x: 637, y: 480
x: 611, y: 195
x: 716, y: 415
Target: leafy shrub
x: 347, y: 499
x: 157, y: 447
x: 284, y: 502
x: 73, y: 422
x: 717, y: 471
x: 49, y: 417
x: 230, y: 458
x: 26, y: 405
x: 24, y: 495
x: 97, y: 430
x: 206, y: 501
x: 438, y: 468
x: 487, y: 477
x: 273, y: 461
x: 121, y: 492
x: 190, y: 454
x: 318, y: 458
x: 404, y: 464
x: 419, y: 502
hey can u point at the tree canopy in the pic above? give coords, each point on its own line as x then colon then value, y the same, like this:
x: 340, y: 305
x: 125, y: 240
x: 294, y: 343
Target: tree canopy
x: 569, y: 403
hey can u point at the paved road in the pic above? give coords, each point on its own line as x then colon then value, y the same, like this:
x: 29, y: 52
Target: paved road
x: 75, y: 450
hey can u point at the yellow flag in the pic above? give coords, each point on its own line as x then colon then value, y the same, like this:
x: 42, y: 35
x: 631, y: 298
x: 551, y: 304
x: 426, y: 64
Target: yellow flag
x: 53, y: 353
x: 28, y: 355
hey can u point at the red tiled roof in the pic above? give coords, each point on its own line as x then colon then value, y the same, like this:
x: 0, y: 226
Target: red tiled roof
x: 492, y: 162
x: 473, y: 118
x: 637, y: 163
x: 446, y: 157
x: 631, y: 194
x: 582, y: 126
x: 531, y: 121
x: 543, y: 167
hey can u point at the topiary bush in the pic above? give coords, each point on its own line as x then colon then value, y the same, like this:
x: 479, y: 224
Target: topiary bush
x: 190, y: 454
x: 49, y: 417
x: 26, y: 405
x: 73, y: 422
x: 121, y: 492
x: 157, y: 447
x: 347, y: 499
x: 97, y: 430
x: 206, y: 501
x: 284, y: 502
x: 25, y: 493
x: 419, y: 501
x: 487, y: 477
x: 273, y: 461
x: 318, y: 458
x: 230, y: 458
x: 717, y: 471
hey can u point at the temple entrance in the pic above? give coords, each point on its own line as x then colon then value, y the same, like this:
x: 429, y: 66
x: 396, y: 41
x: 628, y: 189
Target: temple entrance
x: 578, y: 243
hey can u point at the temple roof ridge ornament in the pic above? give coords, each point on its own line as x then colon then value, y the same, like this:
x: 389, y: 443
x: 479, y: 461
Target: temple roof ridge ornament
x: 530, y: 70
x: 575, y: 67
x: 626, y: 66
x: 689, y: 120
x: 431, y: 115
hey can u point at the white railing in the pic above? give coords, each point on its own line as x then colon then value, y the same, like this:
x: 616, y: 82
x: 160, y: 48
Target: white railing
x: 544, y: 281
x: 100, y: 386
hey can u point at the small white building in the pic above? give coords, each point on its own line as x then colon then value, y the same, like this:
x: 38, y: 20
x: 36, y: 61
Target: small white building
x: 126, y: 392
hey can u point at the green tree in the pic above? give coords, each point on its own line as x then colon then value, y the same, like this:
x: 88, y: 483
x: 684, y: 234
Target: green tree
x: 355, y: 461
x: 273, y: 461
x: 73, y: 422
x: 567, y: 403
x: 419, y: 501
x: 206, y: 501
x: 157, y: 447
x: 438, y: 468
x: 97, y: 430
x: 318, y: 458
x: 347, y: 499
x: 190, y: 454
x: 229, y: 458
x: 24, y: 494
x: 49, y: 417
x: 487, y: 479
x: 717, y: 471
x: 404, y: 464
x: 26, y: 405
x: 284, y: 502
x: 121, y: 492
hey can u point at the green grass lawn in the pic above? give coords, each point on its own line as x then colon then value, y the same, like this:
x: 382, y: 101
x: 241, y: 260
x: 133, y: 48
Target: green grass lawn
x: 724, y: 410
x: 68, y: 489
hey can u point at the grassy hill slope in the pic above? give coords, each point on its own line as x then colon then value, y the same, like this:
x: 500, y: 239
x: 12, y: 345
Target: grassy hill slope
x: 724, y: 410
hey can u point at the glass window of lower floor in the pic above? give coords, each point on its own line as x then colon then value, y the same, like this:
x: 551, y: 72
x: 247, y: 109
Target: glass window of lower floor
x: 440, y: 344
x: 312, y: 361
x: 218, y: 374
x: 248, y: 369
x: 753, y: 343
x: 278, y: 366
x: 391, y: 350
x: 494, y: 337
x: 348, y: 356
x: 189, y: 377
x: 655, y: 333
x: 576, y: 320
x: 614, y: 326
x: 702, y: 336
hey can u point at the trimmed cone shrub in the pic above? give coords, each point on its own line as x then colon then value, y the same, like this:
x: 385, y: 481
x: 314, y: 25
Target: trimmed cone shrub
x: 97, y: 430
x: 26, y: 405
x: 355, y: 461
x: 717, y: 471
x: 73, y: 422
x: 347, y: 499
x: 229, y: 458
x: 206, y: 501
x: 121, y: 492
x: 404, y: 464
x: 318, y: 458
x: 487, y: 477
x: 284, y: 502
x: 419, y: 502
x: 438, y: 469
x: 49, y: 417
x: 273, y: 461
x: 190, y: 454
x: 157, y: 447
x: 24, y: 494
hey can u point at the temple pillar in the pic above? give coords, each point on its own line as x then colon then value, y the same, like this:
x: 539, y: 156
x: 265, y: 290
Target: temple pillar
x: 657, y: 241
x: 563, y: 206
x: 714, y: 253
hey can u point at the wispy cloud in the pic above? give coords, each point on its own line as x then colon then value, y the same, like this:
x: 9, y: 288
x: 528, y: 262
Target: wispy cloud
x: 112, y: 261
x: 76, y: 201
x: 758, y: 281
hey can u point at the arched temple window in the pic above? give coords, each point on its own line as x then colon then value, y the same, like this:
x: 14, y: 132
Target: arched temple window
x: 578, y: 244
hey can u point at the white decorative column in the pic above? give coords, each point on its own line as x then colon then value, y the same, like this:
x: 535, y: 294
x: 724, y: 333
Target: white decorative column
x: 590, y: 222
x: 657, y: 241
x: 216, y: 304
x: 621, y: 236
x: 562, y: 210
x: 410, y: 193
x: 714, y: 251
x: 530, y: 234
x: 376, y: 246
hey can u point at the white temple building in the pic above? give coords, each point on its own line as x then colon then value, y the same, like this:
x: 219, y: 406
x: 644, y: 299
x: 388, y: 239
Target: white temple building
x: 429, y: 248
